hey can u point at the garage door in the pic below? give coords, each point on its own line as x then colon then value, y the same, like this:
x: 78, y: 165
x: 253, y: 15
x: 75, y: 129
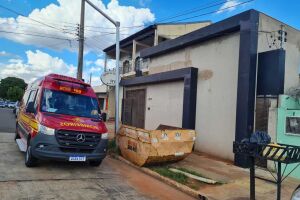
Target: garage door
x: 134, y: 108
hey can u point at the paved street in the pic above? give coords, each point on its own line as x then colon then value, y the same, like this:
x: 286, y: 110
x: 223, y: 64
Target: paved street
x: 53, y: 180
x: 7, y: 120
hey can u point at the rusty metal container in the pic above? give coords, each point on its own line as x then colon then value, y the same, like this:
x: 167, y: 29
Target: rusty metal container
x: 145, y: 147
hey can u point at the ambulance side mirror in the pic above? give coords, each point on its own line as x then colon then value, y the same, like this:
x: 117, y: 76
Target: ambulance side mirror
x: 30, y: 107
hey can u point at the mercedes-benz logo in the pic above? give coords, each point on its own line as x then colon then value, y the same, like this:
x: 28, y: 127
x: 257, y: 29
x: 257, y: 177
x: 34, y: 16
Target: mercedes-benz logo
x: 80, y: 138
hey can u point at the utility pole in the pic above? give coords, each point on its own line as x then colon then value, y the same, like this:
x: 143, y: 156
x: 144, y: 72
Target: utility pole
x: 81, y: 41
x: 117, y: 25
x: 105, y: 62
x: 91, y: 78
x: 117, y: 90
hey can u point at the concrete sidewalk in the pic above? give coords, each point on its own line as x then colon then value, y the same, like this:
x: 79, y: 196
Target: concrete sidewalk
x: 236, y: 179
x: 112, y: 180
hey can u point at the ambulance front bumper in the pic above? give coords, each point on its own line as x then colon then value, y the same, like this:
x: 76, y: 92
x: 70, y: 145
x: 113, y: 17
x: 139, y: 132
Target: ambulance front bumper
x: 46, y: 147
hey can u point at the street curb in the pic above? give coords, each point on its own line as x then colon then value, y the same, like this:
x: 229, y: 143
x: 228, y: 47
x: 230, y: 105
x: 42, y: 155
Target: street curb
x: 168, y: 181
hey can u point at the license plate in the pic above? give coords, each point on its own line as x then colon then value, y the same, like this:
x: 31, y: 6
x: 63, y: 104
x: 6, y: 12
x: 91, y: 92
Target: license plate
x: 77, y: 158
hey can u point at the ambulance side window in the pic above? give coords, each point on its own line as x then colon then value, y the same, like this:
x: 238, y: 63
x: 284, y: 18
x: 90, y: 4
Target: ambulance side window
x: 25, y: 97
x: 36, y: 100
x: 32, y: 97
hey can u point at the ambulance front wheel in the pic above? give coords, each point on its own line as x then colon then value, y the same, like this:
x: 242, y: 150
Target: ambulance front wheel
x: 30, y: 160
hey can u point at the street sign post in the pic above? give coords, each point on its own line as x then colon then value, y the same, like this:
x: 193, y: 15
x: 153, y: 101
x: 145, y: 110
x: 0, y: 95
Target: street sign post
x: 117, y: 25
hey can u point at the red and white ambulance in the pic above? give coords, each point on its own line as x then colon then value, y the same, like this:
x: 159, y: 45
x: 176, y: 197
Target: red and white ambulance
x: 60, y: 119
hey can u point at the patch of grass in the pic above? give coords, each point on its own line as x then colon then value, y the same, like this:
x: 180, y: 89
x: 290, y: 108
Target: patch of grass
x: 190, y: 171
x: 197, y: 174
x: 179, y: 177
x: 164, y: 171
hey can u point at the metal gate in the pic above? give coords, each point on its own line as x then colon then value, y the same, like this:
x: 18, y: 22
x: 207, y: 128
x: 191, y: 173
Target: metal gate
x: 134, y: 108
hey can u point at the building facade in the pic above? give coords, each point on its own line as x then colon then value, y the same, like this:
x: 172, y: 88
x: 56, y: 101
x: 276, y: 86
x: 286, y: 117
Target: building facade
x: 132, y: 64
x: 230, y: 63
x: 101, y: 92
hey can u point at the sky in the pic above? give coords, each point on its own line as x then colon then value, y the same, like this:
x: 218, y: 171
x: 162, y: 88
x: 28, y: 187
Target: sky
x: 38, y: 37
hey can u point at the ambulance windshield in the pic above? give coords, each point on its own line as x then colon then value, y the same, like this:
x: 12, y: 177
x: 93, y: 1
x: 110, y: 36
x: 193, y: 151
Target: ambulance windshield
x: 69, y: 104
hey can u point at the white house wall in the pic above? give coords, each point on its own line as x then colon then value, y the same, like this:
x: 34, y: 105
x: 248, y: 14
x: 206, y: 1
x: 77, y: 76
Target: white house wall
x: 164, y: 103
x: 111, y: 102
x: 217, y: 61
x: 174, y: 30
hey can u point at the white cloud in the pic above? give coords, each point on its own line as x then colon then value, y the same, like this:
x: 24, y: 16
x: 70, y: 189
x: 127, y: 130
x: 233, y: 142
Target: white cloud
x: 7, y: 54
x: 3, y: 53
x: 144, y: 3
x: 38, y: 64
x: 110, y: 63
x: 230, y: 5
x: 65, y: 16
x: 88, y: 62
x: 96, y: 81
x: 96, y: 68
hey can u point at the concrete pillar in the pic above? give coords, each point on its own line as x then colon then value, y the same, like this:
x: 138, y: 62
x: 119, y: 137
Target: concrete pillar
x: 105, y: 62
x: 133, y: 55
x: 155, y: 37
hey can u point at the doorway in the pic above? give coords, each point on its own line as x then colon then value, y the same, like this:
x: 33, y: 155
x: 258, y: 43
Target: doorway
x: 134, y: 105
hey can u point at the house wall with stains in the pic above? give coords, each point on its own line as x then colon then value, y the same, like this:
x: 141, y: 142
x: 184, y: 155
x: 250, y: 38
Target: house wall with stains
x: 217, y: 61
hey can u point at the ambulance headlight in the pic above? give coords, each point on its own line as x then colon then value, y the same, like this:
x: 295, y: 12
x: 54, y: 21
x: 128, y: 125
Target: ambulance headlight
x: 104, y: 136
x: 46, y: 130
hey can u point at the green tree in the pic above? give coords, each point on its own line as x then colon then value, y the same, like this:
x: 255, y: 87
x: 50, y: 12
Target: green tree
x: 15, y: 93
x: 9, y: 82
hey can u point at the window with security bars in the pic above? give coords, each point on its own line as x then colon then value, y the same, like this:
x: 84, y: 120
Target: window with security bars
x: 292, y: 125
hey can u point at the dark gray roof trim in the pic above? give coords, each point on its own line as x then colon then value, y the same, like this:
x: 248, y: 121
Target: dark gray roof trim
x: 150, y: 29
x: 168, y: 76
x: 179, y: 23
x: 217, y: 29
x: 129, y: 39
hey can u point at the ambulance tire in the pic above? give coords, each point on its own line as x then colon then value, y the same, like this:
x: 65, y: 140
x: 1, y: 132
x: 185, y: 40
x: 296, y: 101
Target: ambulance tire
x: 95, y: 163
x: 17, y: 136
x: 30, y: 160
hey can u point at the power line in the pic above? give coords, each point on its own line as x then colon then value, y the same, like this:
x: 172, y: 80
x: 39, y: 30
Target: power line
x: 18, y: 13
x: 35, y: 32
x: 100, y: 42
x: 104, y: 33
x: 122, y: 27
x: 93, y: 46
x: 179, y: 14
x: 196, y: 9
x: 188, y: 12
x: 25, y: 24
x: 215, y: 11
x: 60, y: 44
x: 36, y: 35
